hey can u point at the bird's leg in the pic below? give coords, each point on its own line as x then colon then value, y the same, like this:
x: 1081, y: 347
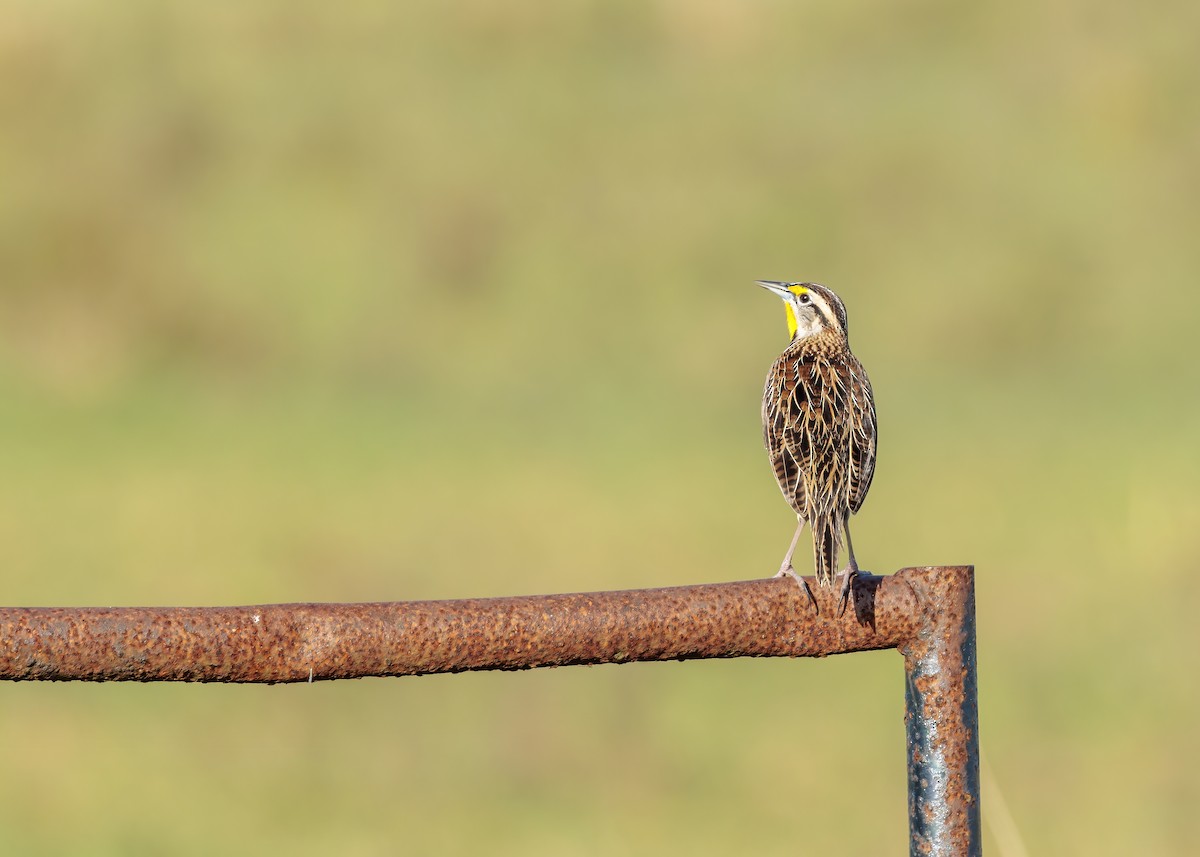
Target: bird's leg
x: 786, y: 570
x: 786, y: 566
x: 850, y: 573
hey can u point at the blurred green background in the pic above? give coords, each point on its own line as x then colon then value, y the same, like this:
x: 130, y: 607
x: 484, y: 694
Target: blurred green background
x: 401, y: 301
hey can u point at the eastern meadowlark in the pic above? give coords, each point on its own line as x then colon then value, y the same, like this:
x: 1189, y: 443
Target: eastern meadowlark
x: 819, y: 428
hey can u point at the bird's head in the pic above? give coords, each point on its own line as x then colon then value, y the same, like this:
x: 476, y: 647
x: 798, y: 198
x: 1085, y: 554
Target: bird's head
x: 812, y: 309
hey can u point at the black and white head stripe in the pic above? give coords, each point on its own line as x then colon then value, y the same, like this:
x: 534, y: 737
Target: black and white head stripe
x: 827, y: 303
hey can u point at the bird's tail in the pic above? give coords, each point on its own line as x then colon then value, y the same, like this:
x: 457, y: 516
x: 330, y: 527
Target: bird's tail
x: 825, y: 550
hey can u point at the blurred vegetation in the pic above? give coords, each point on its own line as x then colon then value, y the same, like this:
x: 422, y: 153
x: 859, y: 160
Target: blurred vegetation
x: 437, y: 300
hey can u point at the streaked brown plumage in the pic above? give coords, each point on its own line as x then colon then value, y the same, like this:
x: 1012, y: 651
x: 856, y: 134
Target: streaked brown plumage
x: 819, y: 426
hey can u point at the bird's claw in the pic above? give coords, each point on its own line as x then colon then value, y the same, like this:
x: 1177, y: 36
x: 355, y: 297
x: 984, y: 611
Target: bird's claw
x: 849, y: 575
x: 788, y: 571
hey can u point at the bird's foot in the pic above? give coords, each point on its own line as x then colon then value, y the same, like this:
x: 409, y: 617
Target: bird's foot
x: 849, y: 575
x: 786, y: 570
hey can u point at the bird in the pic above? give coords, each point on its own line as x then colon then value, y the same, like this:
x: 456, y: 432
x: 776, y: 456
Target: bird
x: 819, y: 428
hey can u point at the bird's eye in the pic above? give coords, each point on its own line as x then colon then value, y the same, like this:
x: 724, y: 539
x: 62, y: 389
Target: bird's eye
x: 805, y: 299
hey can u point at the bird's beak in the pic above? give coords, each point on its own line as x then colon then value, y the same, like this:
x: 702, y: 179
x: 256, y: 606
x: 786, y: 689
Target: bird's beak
x: 775, y: 286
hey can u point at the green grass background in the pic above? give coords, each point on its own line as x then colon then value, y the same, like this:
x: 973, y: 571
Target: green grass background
x: 393, y: 301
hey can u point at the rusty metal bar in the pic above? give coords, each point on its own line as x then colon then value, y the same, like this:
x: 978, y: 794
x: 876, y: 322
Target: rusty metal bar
x: 941, y: 714
x: 303, y: 642
x: 926, y: 613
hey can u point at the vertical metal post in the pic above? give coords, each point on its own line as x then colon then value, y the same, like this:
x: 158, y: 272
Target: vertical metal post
x: 942, y: 718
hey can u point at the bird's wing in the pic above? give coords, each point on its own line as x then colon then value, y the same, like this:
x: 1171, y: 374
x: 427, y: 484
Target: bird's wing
x: 862, y: 435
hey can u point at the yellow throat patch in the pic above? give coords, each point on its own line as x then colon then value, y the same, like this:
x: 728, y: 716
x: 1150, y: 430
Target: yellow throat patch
x: 791, y: 316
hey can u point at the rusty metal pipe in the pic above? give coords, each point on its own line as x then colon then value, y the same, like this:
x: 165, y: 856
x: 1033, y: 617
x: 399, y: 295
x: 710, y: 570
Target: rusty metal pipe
x: 302, y: 642
x: 941, y: 714
x: 927, y: 613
